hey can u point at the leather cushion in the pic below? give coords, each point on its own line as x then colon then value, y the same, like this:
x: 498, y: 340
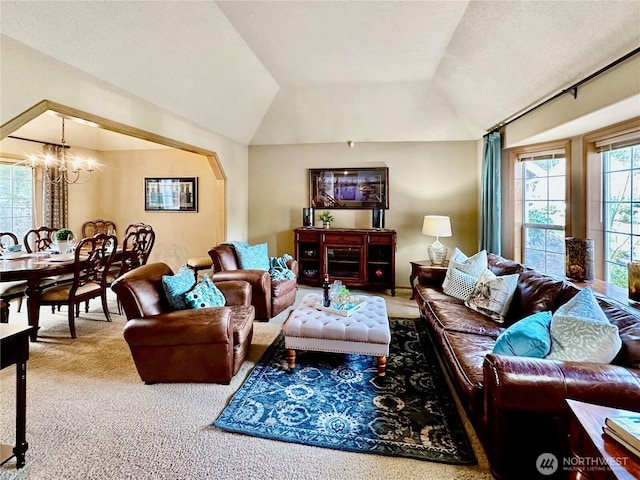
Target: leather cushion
x: 535, y: 293
x: 464, y: 355
x: 457, y: 317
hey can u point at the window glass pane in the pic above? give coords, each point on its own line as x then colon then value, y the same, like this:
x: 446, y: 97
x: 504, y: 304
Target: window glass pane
x: 536, y: 188
x: 555, y: 241
x: 535, y: 259
x: 557, y: 188
x: 619, y: 159
x: 543, y: 203
x: 555, y: 264
x: 618, y: 186
x: 534, y: 238
x: 618, y: 217
x: 618, y: 275
x: 16, y: 199
x: 618, y: 248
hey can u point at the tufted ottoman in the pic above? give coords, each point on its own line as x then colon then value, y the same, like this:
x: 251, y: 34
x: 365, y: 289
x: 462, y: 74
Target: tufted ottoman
x: 366, y: 332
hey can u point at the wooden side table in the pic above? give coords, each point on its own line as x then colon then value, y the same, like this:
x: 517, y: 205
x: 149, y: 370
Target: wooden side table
x: 595, y: 456
x: 14, y: 345
x: 419, y: 266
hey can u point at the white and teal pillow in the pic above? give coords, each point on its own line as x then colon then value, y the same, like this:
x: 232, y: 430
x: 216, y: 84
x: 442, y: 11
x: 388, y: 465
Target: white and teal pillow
x: 205, y: 294
x: 253, y: 257
x: 529, y: 337
x: 492, y: 295
x: 463, y: 273
x: 175, y: 287
x: 581, y: 332
x: 473, y: 266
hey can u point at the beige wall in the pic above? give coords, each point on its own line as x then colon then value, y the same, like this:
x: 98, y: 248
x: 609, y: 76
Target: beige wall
x: 24, y: 85
x: 424, y: 178
x: 179, y: 235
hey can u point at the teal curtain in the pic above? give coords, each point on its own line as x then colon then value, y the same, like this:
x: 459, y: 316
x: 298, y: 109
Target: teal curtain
x: 490, y: 207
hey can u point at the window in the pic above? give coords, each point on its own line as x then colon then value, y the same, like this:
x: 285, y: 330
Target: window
x: 16, y: 199
x: 621, y: 208
x: 541, y: 180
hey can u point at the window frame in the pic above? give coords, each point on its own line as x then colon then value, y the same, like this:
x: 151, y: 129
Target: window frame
x: 515, y: 220
x: 14, y: 160
x: 594, y: 184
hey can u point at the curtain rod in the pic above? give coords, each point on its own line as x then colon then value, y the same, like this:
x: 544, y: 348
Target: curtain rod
x: 573, y: 89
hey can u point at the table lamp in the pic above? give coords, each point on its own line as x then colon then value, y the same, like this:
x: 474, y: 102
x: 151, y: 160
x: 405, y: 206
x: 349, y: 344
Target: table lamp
x: 436, y: 226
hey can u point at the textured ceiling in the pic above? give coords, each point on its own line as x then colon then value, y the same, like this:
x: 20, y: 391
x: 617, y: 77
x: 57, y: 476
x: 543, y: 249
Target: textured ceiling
x: 271, y: 72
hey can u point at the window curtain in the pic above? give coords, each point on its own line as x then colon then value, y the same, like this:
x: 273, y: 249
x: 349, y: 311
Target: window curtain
x: 55, y: 197
x: 490, y: 203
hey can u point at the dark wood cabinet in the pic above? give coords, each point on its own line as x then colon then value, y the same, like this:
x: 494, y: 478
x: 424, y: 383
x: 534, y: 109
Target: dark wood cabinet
x: 357, y: 257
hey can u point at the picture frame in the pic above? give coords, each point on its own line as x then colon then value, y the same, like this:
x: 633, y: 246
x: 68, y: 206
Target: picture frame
x: 349, y: 188
x: 171, y: 194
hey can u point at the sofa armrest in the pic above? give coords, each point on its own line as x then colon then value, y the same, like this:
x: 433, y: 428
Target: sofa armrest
x: 542, y: 386
x: 181, y: 327
x: 236, y: 292
x: 260, y: 280
x: 526, y: 413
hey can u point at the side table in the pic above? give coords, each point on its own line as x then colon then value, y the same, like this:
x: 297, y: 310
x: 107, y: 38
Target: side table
x: 14, y: 344
x: 423, y: 266
x: 595, y: 456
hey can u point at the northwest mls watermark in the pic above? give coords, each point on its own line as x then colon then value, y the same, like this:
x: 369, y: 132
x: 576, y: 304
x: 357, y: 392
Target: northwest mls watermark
x: 548, y: 464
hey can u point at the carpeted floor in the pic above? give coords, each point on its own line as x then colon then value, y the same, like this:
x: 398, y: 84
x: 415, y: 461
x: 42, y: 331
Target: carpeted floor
x: 90, y: 417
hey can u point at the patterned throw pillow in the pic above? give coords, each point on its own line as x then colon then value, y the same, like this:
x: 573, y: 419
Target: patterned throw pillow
x: 175, y: 286
x: 253, y: 257
x: 463, y: 272
x: 473, y: 265
x: 529, y: 337
x: 205, y: 294
x: 581, y: 332
x: 492, y: 295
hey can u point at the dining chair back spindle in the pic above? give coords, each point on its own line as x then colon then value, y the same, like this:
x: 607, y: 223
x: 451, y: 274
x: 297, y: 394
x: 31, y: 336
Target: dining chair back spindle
x: 93, y: 257
x: 93, y: 227
x: 39, y: 239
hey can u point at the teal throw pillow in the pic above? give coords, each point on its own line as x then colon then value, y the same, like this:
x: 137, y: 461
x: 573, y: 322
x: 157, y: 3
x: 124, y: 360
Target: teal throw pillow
x: 529, y: 337
x: 205, y: 294
x: 253, y: 257
x: 581, y: 332
x: 175, y: 287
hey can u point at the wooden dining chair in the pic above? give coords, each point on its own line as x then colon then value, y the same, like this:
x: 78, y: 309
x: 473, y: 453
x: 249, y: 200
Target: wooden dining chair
x: 11, y: 290
x: 136, y: 248
x: 93, y: 227
x: 134, y: 227
x: 93, y: 257
x: 39, y: 239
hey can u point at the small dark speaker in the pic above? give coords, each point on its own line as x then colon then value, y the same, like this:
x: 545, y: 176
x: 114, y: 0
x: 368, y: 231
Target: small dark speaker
x: 308, y: 217
x: 377, y: 218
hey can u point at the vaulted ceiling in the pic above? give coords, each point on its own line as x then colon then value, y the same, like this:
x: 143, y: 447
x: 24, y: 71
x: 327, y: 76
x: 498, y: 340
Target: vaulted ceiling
x: 278, y: 72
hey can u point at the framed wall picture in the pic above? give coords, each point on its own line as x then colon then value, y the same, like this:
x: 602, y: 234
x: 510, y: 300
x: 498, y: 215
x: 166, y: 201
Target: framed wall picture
x: 353, y: 188
x: 171, y: 194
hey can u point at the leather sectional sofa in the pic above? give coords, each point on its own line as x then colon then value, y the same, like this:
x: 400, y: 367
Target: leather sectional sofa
x: 516, y: 404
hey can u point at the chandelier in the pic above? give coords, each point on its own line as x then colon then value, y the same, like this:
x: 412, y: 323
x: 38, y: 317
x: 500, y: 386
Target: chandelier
x: 55, y: 167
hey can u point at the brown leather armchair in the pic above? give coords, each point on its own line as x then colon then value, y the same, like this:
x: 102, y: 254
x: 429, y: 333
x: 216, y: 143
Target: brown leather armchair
x: 269, y: 298
x: 201, y: 345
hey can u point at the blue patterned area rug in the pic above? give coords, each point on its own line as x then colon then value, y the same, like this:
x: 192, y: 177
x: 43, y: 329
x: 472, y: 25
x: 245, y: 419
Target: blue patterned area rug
x: 338, y: 401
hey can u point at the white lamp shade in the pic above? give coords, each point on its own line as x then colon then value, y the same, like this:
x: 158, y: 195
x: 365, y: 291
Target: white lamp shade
x: 436, y: 226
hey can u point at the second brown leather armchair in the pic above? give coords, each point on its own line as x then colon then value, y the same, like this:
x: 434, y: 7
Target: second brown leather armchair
x: 200, y: 345
x: 269, y: 297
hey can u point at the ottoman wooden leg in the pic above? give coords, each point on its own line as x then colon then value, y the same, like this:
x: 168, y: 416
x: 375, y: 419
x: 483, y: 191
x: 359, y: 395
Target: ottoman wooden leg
x: 382, y: 366
x: 291, y: 358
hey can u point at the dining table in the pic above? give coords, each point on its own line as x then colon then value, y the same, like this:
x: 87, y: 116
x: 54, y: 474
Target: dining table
x: 34, y: 268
